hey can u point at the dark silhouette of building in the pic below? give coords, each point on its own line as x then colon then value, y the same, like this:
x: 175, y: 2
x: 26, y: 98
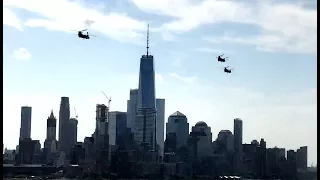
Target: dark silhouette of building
x: 51, y: 127
x: 178, y: 124
x: 77, y: 155
x: 292, y: 163
x: 50, y: 144
x: 261, y: 161
x: 25, y: 127
x: 28, y: 150
x: 237, y: 131
x: 302, y: 158
x: 117, y: 127
x: 101, y: 137
x: 64, y: 118
x: 73, y: 131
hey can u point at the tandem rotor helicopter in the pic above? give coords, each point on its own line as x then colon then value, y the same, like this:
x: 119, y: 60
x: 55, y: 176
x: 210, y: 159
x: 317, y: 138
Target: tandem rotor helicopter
x: 84, y: 36
x: 221, y: 59
x: 226, y: 70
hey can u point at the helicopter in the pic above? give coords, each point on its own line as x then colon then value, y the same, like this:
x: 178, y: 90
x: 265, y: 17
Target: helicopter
x: 226, y: 70
x: 84, y: 36
x: 221, y: 59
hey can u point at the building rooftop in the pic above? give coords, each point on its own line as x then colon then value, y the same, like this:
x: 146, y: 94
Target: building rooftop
x: 201, y: 123
x: 177, y: 113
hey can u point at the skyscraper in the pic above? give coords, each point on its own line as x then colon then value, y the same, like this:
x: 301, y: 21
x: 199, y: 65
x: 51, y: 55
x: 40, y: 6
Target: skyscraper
x: 132, y: 108
x: 51, y: 127
x: 145, y: 121
x: 160, y: 105
x: 117, y: 127
x: 204, y: 143
x: 178, y: 124
x: 25, y: 127
x: 101, y: 135
x: 73, y: 132
x: 101, y: 119
x: 64, y: 117
x: 237, y: 131
x: 50, y: 144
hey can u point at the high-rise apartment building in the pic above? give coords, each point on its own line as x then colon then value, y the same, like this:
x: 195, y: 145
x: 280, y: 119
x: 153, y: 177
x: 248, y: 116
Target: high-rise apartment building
x: 101, y: 132
x: 25, y: 127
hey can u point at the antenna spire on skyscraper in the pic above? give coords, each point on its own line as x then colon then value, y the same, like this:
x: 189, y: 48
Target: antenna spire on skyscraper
x: 148, y: 41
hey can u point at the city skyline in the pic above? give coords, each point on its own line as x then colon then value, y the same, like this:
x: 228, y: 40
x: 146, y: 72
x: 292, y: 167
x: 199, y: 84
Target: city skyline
x: 40, y: 81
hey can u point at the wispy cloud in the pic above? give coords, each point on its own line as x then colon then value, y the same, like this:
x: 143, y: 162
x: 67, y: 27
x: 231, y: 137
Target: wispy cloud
x: 178, y: 59
x: 21, y: 54
x: 213, y: 51
x: 64, y: 15
x: 268, y: 43
x: 10, y: 19
x: 277, y: 21
x: 185, y: 79
x: 159, y: 78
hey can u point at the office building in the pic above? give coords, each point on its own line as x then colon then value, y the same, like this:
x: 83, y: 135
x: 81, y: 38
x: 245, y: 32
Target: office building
x: 237, y: 131
x: 178, y: 124
x: 160, y: 105
x: 145, y: 121
x: 117, y: 127
x: 73, y: 131
x: 64, y: 118
x: 225, y: 141
x: 25, y: 127
x: 132, y: 108
x: 28, y: 149
x: 50, y: 143
x: 51, y: 127
x: 204, y: 138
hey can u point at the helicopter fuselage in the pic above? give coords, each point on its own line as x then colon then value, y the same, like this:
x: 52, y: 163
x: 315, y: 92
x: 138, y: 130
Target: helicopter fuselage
x: 83, y: 36
x: 227, y: 70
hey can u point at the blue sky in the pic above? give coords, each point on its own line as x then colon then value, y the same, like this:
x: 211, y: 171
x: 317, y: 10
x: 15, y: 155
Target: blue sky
x: 271, y: 45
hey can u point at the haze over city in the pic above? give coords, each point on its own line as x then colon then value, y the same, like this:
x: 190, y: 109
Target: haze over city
x: 270, y: 44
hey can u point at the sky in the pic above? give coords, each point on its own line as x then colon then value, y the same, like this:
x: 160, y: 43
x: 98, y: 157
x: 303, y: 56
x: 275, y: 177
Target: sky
x: 271, y: 45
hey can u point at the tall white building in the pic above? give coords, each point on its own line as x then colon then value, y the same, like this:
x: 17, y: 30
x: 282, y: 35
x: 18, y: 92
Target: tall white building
x: 178, y: 124
x: 160, y: 105
x: 132, y: 108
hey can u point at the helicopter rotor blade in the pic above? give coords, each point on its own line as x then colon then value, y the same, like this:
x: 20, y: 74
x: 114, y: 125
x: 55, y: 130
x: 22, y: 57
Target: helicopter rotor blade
x: 93, y: 35
x: 84, y: 30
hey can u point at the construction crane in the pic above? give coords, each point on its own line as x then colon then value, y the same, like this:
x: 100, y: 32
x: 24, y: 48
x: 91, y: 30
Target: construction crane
x: 109, y: 99
x: 75, y: 112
